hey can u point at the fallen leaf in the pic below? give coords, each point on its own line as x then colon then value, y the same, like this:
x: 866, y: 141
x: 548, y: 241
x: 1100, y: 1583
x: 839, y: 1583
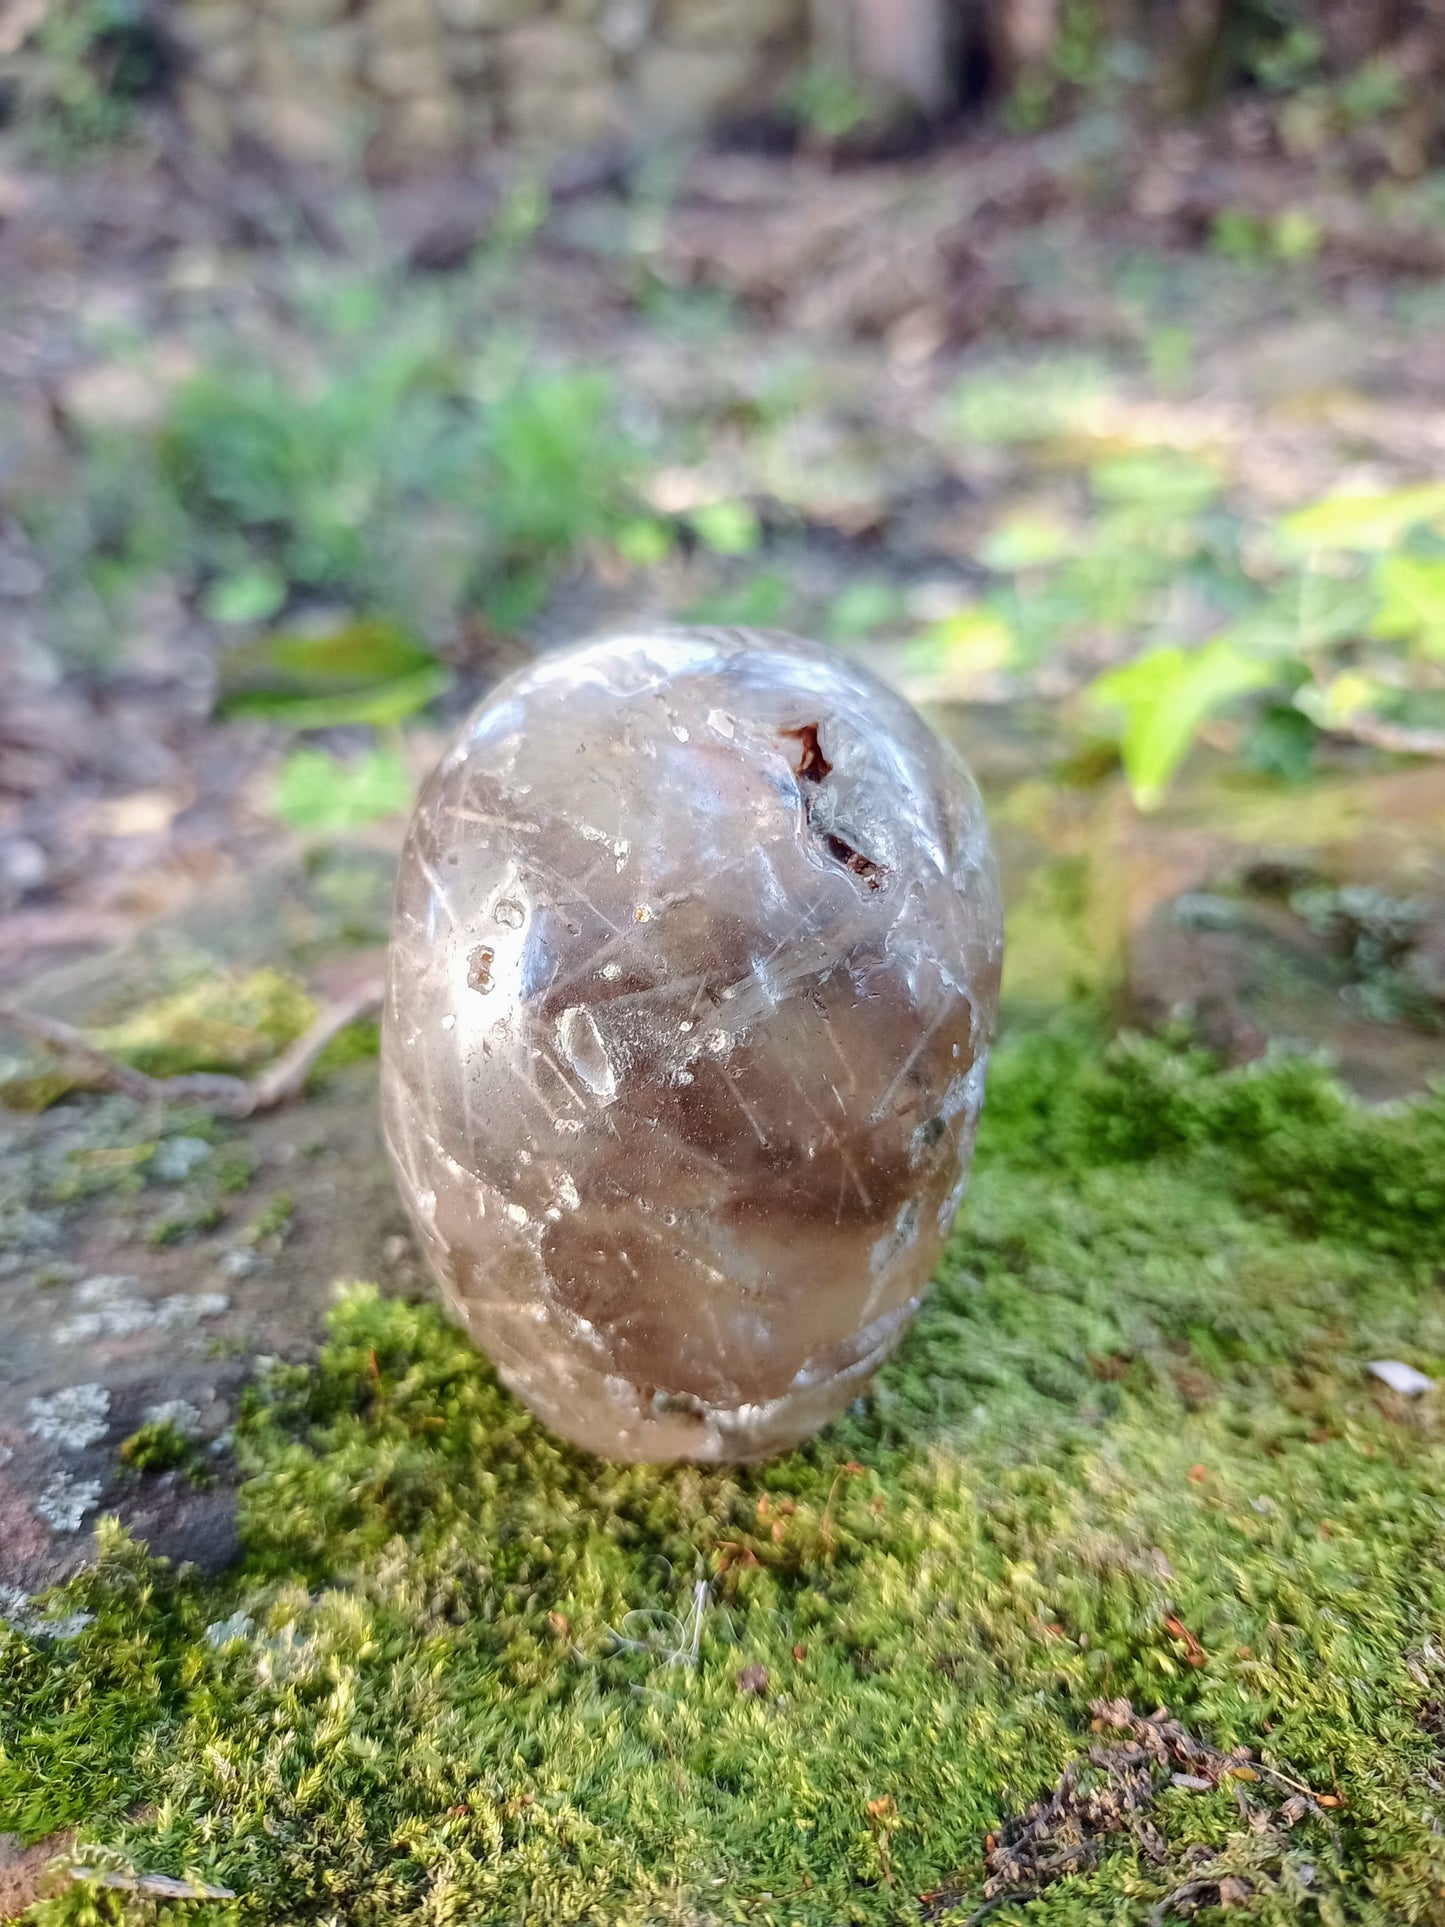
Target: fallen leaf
x: 1195, y: 1655
x: 753, y: 1679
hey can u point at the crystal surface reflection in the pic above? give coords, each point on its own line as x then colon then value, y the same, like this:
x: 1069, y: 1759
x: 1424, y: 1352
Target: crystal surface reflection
x: 693, y: 972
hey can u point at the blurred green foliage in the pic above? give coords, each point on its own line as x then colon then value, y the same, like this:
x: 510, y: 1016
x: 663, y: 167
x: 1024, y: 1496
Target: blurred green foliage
x: 367, y: 671
x: 322, y: 793
x: 81, y: 74
x: 405, y: 473
x: 1318, y: 620
x: 1324, y: 68
x: 331, y: 484
x: 157, y: 1446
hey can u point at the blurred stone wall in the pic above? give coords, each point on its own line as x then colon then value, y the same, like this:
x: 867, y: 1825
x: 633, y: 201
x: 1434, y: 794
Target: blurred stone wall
x: 406, y: 82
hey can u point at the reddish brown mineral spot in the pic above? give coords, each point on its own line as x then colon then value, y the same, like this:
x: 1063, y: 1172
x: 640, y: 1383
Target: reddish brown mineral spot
x: 686, y: 1166
x: 812, y: 765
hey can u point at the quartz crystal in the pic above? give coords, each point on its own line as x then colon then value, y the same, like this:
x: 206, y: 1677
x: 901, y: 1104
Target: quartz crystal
x: 693, y: 971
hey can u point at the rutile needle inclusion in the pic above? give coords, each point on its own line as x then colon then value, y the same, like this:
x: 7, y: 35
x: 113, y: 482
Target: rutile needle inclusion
x: 693, y: 972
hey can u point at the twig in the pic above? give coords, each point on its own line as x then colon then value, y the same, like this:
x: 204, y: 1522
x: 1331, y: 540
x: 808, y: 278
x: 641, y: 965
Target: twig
x: 992, y: 1906
x: 233, y: 1096
x: 285, y: 1078
x: 1397, y: 737
x: 159, y: 1886
x: 1159, y: 1912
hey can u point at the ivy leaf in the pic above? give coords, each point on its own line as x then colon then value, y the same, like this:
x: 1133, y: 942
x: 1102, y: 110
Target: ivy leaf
x: 363, y: 672
x: 1316, y: 611
x: 1165, y: 695
x: 727, y: 528
x: 253, y: 596
x: 1412, y: 602
x: 1028, y: 541
x: 315, y: 791
x: 1365, y: 522
x: 1168, y: 485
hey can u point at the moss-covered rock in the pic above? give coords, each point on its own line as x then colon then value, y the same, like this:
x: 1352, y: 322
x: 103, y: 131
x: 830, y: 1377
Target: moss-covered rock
x: 1131, y: 1451
x: 219, y: 1023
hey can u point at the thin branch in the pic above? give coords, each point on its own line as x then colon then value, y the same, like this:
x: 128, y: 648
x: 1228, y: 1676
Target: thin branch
x: 232, y: 1096
x: 1162, y: 1909
x: 112, y: 1072
x: 1397, y: 737
x: 287, y: 1076
x: 992, y: 1906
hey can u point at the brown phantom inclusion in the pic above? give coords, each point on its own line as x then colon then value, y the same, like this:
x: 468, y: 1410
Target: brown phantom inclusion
x: 693, y: 972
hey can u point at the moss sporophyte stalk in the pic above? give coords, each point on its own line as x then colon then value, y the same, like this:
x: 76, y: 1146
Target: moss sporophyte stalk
x: 1130, y: 1452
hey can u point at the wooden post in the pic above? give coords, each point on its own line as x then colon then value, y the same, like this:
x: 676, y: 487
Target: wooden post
x: 902, y: 47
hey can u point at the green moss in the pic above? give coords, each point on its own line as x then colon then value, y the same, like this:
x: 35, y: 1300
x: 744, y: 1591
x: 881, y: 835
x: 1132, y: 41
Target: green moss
x: 271, y: 1222
x: 174, y: 1227
x: 1131, y: 1430
x: 231, y: 1024
x: 158, y: 1446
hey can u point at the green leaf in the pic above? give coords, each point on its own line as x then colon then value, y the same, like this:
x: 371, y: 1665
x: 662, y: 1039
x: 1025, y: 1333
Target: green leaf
x: 1037, y: 400
x: 252, y: 597
x: 1412, y: 602
x: 863, y: 607
x: 1157, y: 479
x: 758, y: 603
x: 727, y: 528
x: 971, y: 643
x: 315, y: 791
x: 1281, y: 744
x: 1165, y: 695
x: 1365, y: 522
x: 367, y: 671
x: 1313, y: 612
x: 1296, y: 235
x: 1171, y: 355
x: 644, y: 542
x: 1240, y: 235
x: 1028, y: 542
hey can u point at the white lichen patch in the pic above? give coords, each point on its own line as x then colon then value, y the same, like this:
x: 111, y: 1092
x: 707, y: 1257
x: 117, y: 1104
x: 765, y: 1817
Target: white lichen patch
x: 66, y: 1500
x: 23, y: 1615
x: 113, y: 1311
x: 74, y: 1417
x: 176, y: 1157
x: 175, y: 1411
x: 224, y: 1632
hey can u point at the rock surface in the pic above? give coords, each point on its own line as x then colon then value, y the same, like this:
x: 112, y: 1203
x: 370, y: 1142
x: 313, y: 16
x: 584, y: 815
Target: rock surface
x: 694, y: 968
x: 440, y: 77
